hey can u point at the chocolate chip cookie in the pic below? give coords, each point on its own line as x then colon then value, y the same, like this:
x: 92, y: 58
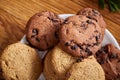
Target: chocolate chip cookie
x: 20, y: 62
x: 42, y: 30
x: 94, y: 15
x: 80, y: 36
x: 87, y: 69
x: 109, y: 58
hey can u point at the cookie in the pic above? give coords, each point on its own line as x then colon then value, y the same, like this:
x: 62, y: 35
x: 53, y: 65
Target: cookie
x: 20, y: 62
x: 94, y: 15
x: 80, y: 36
x: 42, y: 30
x: 88, y: 69
x: 56, y: 63
x: 109, y: 58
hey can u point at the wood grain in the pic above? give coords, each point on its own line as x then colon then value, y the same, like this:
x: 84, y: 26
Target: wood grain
x: 11, y: 29
x: 14, y: 15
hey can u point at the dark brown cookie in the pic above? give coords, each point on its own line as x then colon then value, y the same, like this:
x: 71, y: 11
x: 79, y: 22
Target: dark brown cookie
x: 80, y: 36
x: 42, y: 30
x: 94, y: 15
x: 109, y: 58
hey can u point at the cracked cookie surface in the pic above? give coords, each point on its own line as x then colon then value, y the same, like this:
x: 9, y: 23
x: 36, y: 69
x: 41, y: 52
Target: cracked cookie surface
x: 20, y: 62
x: 80, y: 36
x: 56, y: 64
x: 109, y: 58
x: 87, y: 69
x: 94, y: 15
x: 42, y: 30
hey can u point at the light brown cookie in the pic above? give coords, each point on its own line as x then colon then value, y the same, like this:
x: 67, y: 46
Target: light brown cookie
x: 80, y: 36
x: 56, y: 63
x: 20, y: 62
x: 94, y: 15
x: 87, y: 69
x: 42, y: 30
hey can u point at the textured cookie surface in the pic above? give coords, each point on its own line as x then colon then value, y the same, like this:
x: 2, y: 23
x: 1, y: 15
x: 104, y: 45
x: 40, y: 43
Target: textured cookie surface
x: 56, y: 63
x: 88, y: 69
x: 109, y: 58
x: 80, y: 36
x: 94, y: 15
x: 20, y: 62
x: 42, y: 30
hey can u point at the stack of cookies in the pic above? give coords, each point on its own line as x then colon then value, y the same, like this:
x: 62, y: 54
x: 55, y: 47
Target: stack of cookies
x: 71, y: 44
x: 73, y: 48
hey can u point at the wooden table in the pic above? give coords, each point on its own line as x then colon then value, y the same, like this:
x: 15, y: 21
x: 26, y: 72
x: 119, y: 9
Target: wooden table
x: 15, y: 13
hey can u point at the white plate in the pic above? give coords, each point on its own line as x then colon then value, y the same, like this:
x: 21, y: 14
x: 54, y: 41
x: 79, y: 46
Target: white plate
x: 108, y: 38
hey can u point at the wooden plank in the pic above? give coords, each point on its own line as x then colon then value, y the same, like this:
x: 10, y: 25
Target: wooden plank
x: 11, y: 29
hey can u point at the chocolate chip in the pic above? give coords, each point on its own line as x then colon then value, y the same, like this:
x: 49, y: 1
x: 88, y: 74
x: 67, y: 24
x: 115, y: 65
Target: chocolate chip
x: 113, y: 56
x: 55, y: 20
x: 101, y: 62
x: 82, y: 24
x: 32, y: 36
x: 88, y: 52
x: 56, y: 35
x: 80, y: 59
x: 97, y: 54
x: 105, y: 49
x: 88, y: 45
x: 90, y: 17
x: 95, y: 44
x: 37, y: 39
x: 97, y: 38
x: 66, y: 21
x: 95, y: 11
x: 118, y: 77
x: 74, y: 47
x: 67, y: 44
x: 80, y: 47
x: 118, y: 61
x: 49, y: 18
x: 106, y: 72
x: 34, y: 32
x: 89, y: 21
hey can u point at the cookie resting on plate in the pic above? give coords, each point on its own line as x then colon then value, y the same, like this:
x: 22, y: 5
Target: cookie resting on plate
x: 80, y: 36
x: 94, y: 15
x: 20, y: 62
x: 42, y: 30
x: 109, y: 58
